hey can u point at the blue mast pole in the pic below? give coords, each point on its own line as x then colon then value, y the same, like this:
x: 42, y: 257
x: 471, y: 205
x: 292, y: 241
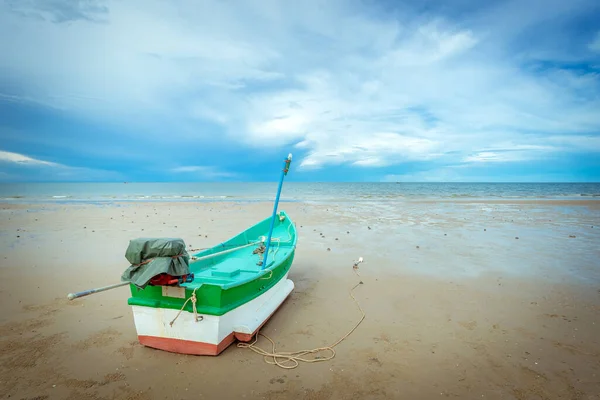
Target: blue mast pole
x: 286, y: 168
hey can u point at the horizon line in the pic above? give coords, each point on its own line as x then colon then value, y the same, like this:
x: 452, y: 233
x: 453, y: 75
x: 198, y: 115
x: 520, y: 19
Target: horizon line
x: 288, y: 182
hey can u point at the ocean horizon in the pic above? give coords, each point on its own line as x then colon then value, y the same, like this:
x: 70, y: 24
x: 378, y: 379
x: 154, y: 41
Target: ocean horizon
x: 106, y: 192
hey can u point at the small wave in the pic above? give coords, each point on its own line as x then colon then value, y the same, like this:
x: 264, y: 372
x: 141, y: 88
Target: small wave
x: 61, y: 197
x: 590, y: 194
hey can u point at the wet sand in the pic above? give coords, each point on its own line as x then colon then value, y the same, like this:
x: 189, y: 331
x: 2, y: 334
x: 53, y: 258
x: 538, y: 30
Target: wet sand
x: 462, y: 299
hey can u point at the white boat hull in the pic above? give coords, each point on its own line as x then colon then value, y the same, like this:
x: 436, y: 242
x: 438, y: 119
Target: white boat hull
x: 212, y: 334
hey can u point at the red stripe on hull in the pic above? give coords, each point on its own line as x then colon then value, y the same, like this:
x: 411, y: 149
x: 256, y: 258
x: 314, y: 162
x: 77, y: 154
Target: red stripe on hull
x: 186, y: 346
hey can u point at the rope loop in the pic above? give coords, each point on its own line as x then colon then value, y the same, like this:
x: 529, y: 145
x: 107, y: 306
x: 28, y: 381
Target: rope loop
x: 193, y: 299
x: 290, y: 360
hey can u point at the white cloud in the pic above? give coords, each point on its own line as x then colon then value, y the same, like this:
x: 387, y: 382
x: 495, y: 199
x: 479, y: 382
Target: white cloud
x: 342, y: 81
x: 27, y: 168
x: 209, y: 172
x: 507, y: 152
x: 376, y: 150
x: 20, y: 159
x: 490, y: 156
x: 511, y: 152
x: 445, y: 174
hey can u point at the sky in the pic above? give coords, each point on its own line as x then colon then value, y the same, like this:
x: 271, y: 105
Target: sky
x: 223, y: 90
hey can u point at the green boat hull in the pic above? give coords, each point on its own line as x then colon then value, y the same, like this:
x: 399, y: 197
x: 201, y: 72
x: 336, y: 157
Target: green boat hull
x: 226, y: 281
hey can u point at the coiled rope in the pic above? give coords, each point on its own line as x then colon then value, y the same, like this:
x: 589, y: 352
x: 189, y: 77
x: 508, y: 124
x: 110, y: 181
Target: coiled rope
x: 290, y: 360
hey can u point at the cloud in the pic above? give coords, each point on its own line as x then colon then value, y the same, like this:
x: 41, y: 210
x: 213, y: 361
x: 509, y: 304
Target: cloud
x: 60, y: 10
x: 23, y: 167
x: 509, y: 153
x: 342, y: 82
x: 20, y: 159
x: 208, y: 172
x: 491, y: 156
x: 378, y: 150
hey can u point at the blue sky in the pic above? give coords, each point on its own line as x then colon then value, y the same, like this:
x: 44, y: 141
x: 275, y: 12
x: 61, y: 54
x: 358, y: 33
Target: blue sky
x: 148, y: 90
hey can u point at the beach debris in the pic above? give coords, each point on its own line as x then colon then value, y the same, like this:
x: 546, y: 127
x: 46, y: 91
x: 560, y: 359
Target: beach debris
x: 572, y: 236
x: 355, y: 266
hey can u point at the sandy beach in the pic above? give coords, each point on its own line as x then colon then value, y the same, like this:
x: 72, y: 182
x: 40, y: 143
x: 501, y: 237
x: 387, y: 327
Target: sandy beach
x: 470, y: 300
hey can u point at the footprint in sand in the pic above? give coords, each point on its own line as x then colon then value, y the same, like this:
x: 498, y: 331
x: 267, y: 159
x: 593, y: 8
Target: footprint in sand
x: 470, y: 325
x: 127, y: 352
x: 25, y: 351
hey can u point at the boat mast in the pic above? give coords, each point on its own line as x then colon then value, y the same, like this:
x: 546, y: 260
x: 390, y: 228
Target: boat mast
x: 286, y: 168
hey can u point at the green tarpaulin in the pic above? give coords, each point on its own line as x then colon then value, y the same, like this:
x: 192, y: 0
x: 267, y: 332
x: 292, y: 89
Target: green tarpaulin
x: 151, y: 257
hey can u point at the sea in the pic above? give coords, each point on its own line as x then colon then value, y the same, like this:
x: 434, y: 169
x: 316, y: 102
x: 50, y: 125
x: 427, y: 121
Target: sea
x: 313, y: 192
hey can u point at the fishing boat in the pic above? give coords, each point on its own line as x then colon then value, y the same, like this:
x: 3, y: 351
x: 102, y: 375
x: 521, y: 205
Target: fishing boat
x: 231, y: 296
x: 200, y: 303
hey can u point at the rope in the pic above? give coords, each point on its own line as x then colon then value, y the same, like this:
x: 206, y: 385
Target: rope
x: 290, y: 360
x: 260, y: 250
x: 193, y: 299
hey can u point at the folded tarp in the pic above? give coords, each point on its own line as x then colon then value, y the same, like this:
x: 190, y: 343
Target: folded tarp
x: 151, y: 257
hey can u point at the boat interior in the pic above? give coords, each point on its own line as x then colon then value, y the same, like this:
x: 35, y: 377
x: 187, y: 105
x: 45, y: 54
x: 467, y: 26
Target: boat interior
x: 239, y: 259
